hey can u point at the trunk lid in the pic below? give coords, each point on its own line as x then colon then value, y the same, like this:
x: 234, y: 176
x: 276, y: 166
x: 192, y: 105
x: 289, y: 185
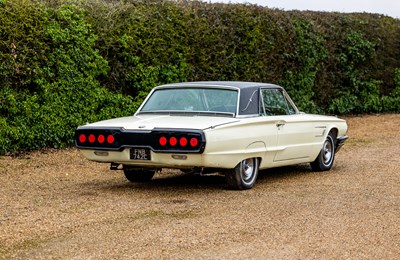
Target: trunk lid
x: 149, y: 122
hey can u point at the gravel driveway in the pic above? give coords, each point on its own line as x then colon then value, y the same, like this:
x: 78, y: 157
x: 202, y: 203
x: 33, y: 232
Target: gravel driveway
x: 56, y: 205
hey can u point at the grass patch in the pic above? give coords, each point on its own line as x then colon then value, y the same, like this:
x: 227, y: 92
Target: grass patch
x: 182, y: 214
x: 359, y: 141
x: 160, y: 214
x: 151, y: 214
x: 6, y: 252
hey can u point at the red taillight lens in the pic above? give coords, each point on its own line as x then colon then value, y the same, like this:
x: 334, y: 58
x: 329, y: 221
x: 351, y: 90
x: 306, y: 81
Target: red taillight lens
x: 92, y: 138
x: 163, y: 141
x: 173, y: 141
x: 82, y: 138
x: 110, y: 139
x: 101, y: 139
x: 194, y: 142
x: 183, y: 141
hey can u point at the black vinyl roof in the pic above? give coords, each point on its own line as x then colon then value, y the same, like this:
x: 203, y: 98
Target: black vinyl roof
x: 235, y: 84
x: 249, y: 92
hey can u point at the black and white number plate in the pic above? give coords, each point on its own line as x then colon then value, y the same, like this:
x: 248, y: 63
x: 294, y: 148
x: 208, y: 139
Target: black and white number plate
x: 142, y: 154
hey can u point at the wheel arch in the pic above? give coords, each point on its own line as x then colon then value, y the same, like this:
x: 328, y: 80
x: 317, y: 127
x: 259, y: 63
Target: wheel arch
x: 334, y: 131
x: 256, y: 150
x: 324, y: 160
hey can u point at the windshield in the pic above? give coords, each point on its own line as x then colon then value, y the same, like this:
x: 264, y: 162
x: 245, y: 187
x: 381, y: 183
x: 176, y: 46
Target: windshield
x: 192, y: 100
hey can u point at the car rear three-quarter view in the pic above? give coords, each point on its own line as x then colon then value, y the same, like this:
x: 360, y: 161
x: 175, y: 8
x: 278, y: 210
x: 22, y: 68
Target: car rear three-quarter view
x: 235, y: 128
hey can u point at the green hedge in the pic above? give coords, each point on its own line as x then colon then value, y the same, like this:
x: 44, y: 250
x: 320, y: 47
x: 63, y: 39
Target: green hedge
x: 65, y: 63
x: 50, y: 70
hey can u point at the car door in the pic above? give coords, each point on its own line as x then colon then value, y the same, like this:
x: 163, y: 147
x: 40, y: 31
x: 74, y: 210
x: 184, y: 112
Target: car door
x: 295, y: 135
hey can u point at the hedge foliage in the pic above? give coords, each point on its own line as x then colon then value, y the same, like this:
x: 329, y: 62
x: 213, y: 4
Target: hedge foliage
x: 67, y: 62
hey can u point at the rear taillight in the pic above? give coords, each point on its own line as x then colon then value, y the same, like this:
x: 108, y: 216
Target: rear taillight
x: 183, y: 141
x: 92, y: 138
x: 163, y: 141
x: 194, y: 142
x: 101, y: 139
x: 172, y: 141
x: 110, y: 139
x: 82, y: 138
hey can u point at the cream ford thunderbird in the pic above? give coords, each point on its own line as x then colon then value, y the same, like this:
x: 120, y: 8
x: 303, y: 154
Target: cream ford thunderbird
x: 235, y: 128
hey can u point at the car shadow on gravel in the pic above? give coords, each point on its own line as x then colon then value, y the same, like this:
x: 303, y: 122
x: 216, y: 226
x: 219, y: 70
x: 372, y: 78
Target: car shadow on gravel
x: 175, y: 183
x: 184, y: 182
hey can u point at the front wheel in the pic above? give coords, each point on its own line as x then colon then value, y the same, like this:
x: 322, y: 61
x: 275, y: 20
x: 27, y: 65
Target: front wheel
x: 244, y: 175
x: 326, y: 156
x: 139, y: 175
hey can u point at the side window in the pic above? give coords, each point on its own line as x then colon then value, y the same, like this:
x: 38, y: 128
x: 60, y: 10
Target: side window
x: 274, y: 103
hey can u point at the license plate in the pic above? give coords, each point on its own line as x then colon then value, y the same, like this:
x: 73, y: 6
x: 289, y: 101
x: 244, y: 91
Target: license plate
x: 142, y: 154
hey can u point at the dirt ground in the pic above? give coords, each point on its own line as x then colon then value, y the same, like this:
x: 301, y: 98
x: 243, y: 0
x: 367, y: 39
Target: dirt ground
x: 57, y: 205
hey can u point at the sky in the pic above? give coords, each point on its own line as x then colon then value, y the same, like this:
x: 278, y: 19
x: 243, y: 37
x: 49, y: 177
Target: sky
x: 386, y: 7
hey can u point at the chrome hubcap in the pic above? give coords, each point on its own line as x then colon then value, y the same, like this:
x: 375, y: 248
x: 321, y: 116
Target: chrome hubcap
x: 247, y: 170
x: 327, y: 152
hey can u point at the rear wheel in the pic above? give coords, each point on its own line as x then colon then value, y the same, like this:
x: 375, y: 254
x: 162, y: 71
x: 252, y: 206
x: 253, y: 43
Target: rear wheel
x: 139, y: 175
x: 326, y: 156
x: 244, y: 175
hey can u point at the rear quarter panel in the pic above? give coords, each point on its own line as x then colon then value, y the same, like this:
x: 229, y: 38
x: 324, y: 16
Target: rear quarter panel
x: 250, y: 137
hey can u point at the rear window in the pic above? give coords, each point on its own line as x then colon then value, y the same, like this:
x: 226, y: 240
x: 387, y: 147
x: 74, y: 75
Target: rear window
x: 192, y: 99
